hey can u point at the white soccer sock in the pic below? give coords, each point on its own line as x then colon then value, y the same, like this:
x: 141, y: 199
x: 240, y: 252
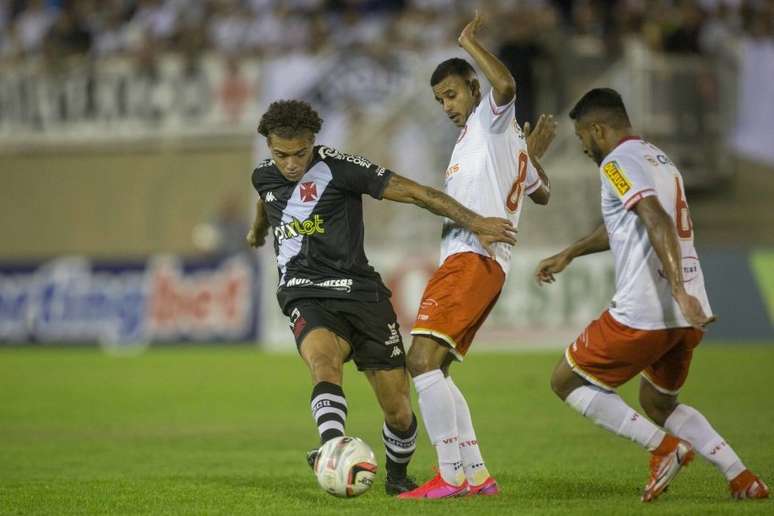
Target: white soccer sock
x: 609, y: 411
x: 688, y: 423
x: 438, y: 412
x: 472, y: 462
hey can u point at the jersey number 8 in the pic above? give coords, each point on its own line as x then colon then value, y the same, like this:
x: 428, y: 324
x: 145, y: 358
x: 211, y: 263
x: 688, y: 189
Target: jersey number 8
x: 514, y: 196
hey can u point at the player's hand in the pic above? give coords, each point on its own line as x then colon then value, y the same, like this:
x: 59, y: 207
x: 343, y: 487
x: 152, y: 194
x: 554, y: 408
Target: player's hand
x: 540, y: 138
x: 550, y: 266
x: 256, y: 238
x: 491, y: 230
x: 693, y: 311
x: 469, y: 32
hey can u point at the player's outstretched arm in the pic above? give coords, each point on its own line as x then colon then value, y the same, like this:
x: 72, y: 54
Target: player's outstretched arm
x: 488, y: 229
x: 595, y: 242
x: 503, y: 84
x: 663, y: 238
x: 256, y: 237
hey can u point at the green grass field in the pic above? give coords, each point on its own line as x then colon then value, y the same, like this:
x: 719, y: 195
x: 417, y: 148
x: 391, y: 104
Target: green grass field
x: 204, y: 431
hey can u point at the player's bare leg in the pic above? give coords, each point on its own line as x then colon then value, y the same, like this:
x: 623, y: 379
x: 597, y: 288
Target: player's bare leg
x: 399, y: 432
x: 668, y: 453
x: 689, y: 424
x: 436, y: 403
x: 324, y: 354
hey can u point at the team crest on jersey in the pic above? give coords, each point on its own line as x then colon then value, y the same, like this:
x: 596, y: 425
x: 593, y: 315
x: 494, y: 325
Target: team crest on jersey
x: 308, y: 191
x: 617, y: 177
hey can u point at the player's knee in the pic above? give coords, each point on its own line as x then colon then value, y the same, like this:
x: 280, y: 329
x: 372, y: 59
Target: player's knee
x: 418, y: 363
x: 658, y: 407
x: 325, y: 369
x: 561, y: 384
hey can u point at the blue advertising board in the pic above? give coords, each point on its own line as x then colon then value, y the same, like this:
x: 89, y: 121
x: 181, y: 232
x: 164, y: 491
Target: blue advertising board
x: 161, y: 299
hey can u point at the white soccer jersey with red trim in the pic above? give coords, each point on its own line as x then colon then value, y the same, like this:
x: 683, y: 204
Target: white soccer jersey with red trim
x: 643, y: 298
x: 489, y: 172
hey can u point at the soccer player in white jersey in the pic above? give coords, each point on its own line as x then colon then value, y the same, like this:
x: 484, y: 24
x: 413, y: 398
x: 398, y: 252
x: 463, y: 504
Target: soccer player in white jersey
x: 490, y: 171
x: 658, y: 313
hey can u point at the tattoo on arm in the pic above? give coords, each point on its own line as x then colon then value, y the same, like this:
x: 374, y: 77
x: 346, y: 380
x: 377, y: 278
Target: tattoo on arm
x: 401, y: 189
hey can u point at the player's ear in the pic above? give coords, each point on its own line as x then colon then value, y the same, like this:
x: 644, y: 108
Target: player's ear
x: 475, y: 87
x: 597, y: 131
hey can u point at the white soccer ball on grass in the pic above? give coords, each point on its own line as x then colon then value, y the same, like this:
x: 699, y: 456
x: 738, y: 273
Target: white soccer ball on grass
x: 345, y: 466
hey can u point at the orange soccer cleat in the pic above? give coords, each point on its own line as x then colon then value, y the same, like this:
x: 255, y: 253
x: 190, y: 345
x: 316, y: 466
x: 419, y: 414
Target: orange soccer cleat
x: 746, y: 486
x: 665, y: 463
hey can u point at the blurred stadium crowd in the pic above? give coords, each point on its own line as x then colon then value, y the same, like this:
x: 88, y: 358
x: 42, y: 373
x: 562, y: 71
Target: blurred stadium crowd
x: 98, y: 28
x: 561, y: 43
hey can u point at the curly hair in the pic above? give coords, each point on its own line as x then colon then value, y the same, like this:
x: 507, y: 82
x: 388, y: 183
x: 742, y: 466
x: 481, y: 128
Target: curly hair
x: 289, y: 118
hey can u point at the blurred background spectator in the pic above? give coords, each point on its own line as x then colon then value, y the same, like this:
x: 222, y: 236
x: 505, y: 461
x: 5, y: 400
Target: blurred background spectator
x: 696, y: 75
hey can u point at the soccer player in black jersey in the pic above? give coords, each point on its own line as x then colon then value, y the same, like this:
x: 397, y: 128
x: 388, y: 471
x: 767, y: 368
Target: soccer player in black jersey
x: 337, y: 305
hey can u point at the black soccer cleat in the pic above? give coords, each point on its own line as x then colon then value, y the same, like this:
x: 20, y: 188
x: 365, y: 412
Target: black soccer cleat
x: 311, y: 457
x: 395, y: 486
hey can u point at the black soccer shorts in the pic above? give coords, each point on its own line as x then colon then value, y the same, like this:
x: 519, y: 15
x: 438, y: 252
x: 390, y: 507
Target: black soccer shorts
x: 371, y: 329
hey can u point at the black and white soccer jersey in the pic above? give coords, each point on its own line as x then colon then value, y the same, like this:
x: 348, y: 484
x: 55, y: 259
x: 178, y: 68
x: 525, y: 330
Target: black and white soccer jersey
x: 317, y: 224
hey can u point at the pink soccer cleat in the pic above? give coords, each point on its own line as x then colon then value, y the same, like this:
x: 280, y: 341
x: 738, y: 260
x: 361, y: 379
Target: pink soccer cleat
x: 436, y: 488
x: 487, y: 488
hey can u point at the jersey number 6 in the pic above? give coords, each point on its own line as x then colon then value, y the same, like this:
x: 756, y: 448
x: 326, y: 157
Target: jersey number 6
x: 683, y: 220
x: 514, y: 196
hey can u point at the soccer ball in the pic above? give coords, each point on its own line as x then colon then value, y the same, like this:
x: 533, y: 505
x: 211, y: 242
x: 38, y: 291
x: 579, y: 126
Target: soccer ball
x: 345, y: 466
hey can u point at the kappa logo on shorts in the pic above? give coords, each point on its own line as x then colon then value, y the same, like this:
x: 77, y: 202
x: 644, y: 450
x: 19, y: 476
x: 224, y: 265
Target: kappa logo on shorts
x: 617, y: 177
x: 394, y: 337
x: 395, y: 352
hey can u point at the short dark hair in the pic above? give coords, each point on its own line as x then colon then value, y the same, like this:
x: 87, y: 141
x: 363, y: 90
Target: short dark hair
x: 289, y: 118
x: 606, y: 104
x: 453, y: 66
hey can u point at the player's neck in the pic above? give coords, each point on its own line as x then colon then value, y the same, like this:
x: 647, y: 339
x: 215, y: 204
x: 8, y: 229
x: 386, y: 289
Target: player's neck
x: 622, y: 136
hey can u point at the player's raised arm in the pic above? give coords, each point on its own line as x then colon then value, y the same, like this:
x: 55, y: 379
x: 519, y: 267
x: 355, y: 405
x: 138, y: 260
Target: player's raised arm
x: 595, y: 242
x: 256, y: 237
x: 663, y: 238
x: 488, y: 229
x: 503, y: 84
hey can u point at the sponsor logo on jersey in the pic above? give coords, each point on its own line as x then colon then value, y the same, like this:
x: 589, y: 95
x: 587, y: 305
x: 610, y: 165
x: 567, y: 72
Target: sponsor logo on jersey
x: 380, y: 171
x: 327, y: 152
x: 308, y: 191
x: 296, y: 228
x: 270, y: 197
x: 340, y: 284
x: 452, y: 170
x: 617, y: 177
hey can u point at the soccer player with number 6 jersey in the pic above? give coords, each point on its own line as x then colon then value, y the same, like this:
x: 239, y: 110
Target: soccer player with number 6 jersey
x: 492, y: 168
x: 658, y: 313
